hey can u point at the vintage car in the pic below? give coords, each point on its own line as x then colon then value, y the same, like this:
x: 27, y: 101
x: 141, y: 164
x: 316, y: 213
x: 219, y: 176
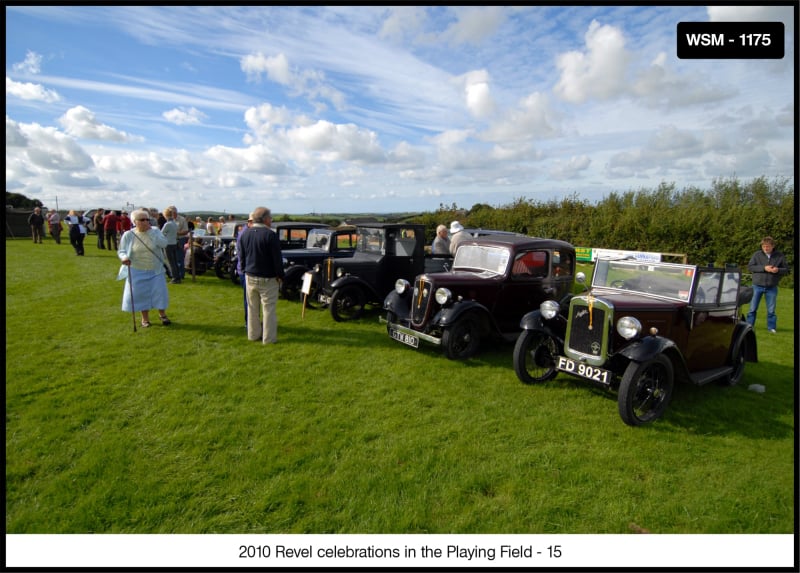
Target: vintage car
x: 640, y: 326
x: 294, y: 234
x: 494, y: 281
x: 384, y: 253
x: 335, y: 242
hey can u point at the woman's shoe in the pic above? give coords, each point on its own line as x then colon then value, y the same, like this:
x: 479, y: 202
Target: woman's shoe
x: 165, y: 321
x: 145, y: 323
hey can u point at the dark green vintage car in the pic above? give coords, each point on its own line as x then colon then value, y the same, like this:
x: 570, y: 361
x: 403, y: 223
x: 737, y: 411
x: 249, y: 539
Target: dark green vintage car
x: 638, y: 328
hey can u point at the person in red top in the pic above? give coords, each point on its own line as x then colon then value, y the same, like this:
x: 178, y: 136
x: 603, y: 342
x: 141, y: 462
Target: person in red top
x: 110, y: 228
x: 124, y: 223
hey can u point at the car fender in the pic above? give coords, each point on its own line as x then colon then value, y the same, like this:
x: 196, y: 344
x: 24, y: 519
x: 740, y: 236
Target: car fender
x: 451, y: 314
x: 646, y: 348
x: 744, y: 333
x: 556, y: 327
x: 294, y: 273
x: 397, y: 304
x: 350, y: 280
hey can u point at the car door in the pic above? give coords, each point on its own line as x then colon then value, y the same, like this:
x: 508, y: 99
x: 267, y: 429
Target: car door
x: 713, y: 319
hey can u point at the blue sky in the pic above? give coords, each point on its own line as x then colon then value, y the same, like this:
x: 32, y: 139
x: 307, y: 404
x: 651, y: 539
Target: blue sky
x: 381, y: 109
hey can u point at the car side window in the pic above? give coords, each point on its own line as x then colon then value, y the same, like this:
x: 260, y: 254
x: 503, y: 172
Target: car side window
x: 530, y: 264
x: 730, y: 288
x: 562, y: 264
x: 707, y: 288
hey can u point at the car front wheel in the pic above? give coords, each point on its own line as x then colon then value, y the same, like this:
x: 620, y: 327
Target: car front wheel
x: 645, y: 390
x: 347, y: 303
x: 461, y: 340
x: 534, y: 357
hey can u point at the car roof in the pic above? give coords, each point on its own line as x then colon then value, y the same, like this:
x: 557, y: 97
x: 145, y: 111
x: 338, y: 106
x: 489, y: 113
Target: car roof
x: 297, y: 225
x: 518, y: 242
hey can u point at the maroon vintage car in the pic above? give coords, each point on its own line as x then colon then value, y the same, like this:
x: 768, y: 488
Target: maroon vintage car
x: 493, y: 282
x: 640, y: 326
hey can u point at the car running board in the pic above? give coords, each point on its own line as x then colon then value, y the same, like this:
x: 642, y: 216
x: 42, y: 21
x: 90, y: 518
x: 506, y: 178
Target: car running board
x: 706, y: 376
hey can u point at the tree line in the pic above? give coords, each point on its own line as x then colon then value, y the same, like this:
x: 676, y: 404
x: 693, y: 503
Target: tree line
x: 722, y: 225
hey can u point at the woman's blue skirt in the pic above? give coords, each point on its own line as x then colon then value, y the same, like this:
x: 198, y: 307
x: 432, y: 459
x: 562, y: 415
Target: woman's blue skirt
x: 149, y: 291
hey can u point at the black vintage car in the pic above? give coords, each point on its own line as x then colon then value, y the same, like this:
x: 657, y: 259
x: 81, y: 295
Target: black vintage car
x: 639, y: 327
x: 336, y: 242
x: 294, y: 234
x: 494, y: 281
x: 384, y: 253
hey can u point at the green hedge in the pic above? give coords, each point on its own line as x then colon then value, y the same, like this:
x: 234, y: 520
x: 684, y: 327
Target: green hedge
x: 722, y: 225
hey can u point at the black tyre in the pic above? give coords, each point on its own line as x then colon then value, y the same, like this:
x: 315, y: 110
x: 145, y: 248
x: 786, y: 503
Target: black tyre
x: 737, y: 363
x: 221, y: 269
x: 462, y: 340
x: 535, y: 357
x: 347, y: 303
x: 645, y: 390
x: 290, y: 289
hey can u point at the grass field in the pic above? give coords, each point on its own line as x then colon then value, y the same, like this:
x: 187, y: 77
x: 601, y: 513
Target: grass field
x: 337, y: 429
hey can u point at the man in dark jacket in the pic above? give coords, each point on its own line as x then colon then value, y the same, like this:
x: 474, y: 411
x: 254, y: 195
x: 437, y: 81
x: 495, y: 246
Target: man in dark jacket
x: 767, y: 266
x: 36, y: 221
x: 261, y: 261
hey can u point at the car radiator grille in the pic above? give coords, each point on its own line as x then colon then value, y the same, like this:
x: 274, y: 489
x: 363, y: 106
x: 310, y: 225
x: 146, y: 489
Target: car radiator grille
x: 589, y: 329
x: 423, y: 294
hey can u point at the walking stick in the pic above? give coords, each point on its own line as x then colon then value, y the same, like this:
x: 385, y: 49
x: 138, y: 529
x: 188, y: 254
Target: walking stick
x: 133, y: 310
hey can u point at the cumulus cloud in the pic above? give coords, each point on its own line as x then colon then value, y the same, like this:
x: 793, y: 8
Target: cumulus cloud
x: 474, y: 25
x: 184, y: 116
x: 533, y: 118
x: 477, y: 94
x: 50, y: 149
x: 401, y: 22
x: 81, y: 122
x: 599, y: 71
x: 28, y: 91
x: 309, y: 83
x: 571, y: 169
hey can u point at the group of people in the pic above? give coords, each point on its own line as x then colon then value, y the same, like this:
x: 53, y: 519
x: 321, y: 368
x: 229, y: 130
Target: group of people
x: 109, y: 227
x: 446, y: 241
x: 260, y: 267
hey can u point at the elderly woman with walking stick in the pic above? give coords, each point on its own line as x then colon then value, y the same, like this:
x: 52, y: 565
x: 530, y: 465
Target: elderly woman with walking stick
x: 139, y: 250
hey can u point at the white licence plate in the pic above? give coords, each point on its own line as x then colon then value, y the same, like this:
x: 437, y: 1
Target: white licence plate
x: 404, y: 338
x: 583, y: 370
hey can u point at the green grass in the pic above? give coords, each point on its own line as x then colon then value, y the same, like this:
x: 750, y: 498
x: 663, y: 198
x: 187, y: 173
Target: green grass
x: 338, y: 429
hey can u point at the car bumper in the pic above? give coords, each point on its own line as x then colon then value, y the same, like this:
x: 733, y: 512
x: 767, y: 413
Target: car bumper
x: 393, y: 326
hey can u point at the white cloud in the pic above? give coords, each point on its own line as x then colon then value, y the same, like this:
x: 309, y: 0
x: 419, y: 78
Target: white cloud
x: 30, y: 91
x: 598, y: 72
x: 31, y: 65
x: 477, y: 93
x: 185, y: 116
x: 50, y: 149
x: 81, y: 122
x: 571, y: 169
x: 474, y: 25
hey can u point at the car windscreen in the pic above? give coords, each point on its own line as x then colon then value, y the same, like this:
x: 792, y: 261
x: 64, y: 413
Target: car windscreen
x: 661, y: 279
x: 371, y: 240
x: 318, y: 239
x: 481, y: 258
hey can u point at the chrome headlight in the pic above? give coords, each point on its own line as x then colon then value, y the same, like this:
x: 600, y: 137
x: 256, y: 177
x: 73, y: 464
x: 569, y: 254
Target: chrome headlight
x: 339, y: 272
x: 443, y: 296
x: 401, y: 286
x: 628, y: 327
x: 317, y: 268
x: 549, y: 309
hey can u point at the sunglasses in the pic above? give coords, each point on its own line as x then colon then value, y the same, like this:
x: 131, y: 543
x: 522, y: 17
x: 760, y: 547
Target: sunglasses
x: 142, y: 220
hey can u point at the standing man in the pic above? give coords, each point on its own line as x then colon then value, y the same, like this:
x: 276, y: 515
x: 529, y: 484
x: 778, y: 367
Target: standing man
x: 36, y: 221
x: 98, y: 228
x: 110, y: 229
x: 263, y: 269
x: 54, y: 222
x: 441, y: 244
x: 183, y: 238
x: 767, y: 266
x: 457, y: 235
x: 239, y: 270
